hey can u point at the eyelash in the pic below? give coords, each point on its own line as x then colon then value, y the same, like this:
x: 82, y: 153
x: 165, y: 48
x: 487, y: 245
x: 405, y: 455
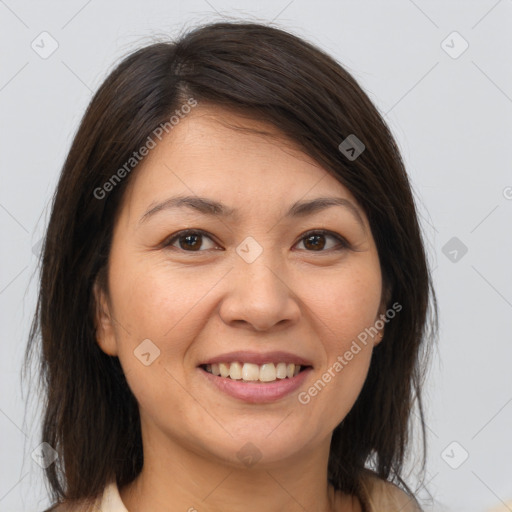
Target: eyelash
x: 342, y: 242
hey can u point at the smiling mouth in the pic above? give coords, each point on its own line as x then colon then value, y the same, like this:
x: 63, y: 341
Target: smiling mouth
x: 250, y: 372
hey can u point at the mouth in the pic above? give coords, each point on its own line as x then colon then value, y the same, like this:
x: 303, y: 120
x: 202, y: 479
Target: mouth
x: 256, y: 377
x: 255, y: 384
x: 255, y: 373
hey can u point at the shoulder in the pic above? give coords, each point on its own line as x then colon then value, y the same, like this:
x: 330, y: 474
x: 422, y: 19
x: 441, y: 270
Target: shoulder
x: 108, y: 500
x: 61, y: 507
x: 504, y: 507
x: 90, y: 505
x: 385, y: 496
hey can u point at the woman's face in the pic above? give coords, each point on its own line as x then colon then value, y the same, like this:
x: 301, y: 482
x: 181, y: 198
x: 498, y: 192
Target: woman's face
x: 247, y: 285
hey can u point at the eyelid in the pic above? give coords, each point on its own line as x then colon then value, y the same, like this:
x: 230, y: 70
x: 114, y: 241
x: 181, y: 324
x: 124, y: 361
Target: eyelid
x: 190, y: 231
x: 343, y: 243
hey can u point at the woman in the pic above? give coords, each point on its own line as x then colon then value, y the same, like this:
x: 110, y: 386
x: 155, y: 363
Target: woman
x: 235, y: 306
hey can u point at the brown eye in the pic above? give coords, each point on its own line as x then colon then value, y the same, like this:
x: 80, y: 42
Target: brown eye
x: 315, y: 241
x: 189, y: 241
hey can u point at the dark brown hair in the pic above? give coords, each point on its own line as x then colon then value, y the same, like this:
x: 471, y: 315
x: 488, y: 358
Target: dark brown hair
x: 91, y: 417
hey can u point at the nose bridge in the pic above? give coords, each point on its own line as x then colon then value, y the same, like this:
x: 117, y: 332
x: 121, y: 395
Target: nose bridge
x: 259, y: 266
x: 259, y: 294
x: 250, y: 250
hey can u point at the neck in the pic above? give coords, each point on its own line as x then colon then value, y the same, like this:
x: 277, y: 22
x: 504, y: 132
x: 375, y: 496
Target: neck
x: 176, y: 478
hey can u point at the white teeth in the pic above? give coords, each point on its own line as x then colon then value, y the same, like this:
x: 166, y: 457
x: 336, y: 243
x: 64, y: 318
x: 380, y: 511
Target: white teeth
x: 224, y: 369
x: 250, y: 372
x: 268, y: 372
x: 281, y: 370
x: 235, y: 371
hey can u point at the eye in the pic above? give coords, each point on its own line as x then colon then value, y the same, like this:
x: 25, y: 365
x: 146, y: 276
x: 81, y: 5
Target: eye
x: 314, y: 241
x: 189, y: 240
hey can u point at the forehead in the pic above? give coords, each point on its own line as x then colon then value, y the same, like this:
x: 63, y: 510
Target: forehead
x: 210, y: 131
x: 242, y: 162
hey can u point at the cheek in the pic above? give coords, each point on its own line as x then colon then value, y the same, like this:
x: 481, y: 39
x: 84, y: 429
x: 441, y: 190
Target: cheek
x: 348, y: 303
x: 152, y: 297
x: 166, y: 305
x: 344, y: 309
x: 156, y: 304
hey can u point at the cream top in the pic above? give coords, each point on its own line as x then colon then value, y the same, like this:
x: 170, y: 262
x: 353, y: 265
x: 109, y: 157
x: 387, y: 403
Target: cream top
x: 384, y: 497
x: 111, y: 501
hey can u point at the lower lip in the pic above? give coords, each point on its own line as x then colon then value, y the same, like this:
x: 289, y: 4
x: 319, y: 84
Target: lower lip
x: 256, y: 392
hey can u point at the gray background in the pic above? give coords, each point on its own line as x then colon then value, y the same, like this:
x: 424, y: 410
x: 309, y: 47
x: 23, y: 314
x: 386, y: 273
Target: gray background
x: 451, y: 114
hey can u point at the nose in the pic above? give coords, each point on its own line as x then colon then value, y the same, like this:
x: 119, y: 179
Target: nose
x: 259, y: 297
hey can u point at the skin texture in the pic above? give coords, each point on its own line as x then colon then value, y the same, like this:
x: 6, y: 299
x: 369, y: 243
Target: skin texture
x: 197, y: 304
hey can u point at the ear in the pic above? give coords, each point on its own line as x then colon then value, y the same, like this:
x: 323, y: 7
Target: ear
x: 103, y: 321
x: 385, y: 299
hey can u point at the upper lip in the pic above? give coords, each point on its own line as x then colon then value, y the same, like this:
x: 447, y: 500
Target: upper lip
x: 258, y: 358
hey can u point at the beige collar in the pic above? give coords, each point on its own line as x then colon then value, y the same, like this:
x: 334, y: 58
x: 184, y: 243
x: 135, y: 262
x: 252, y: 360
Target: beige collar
x: 111, y: 500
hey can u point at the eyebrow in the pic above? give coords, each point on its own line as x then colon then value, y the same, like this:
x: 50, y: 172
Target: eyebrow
x: 213, y: 208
